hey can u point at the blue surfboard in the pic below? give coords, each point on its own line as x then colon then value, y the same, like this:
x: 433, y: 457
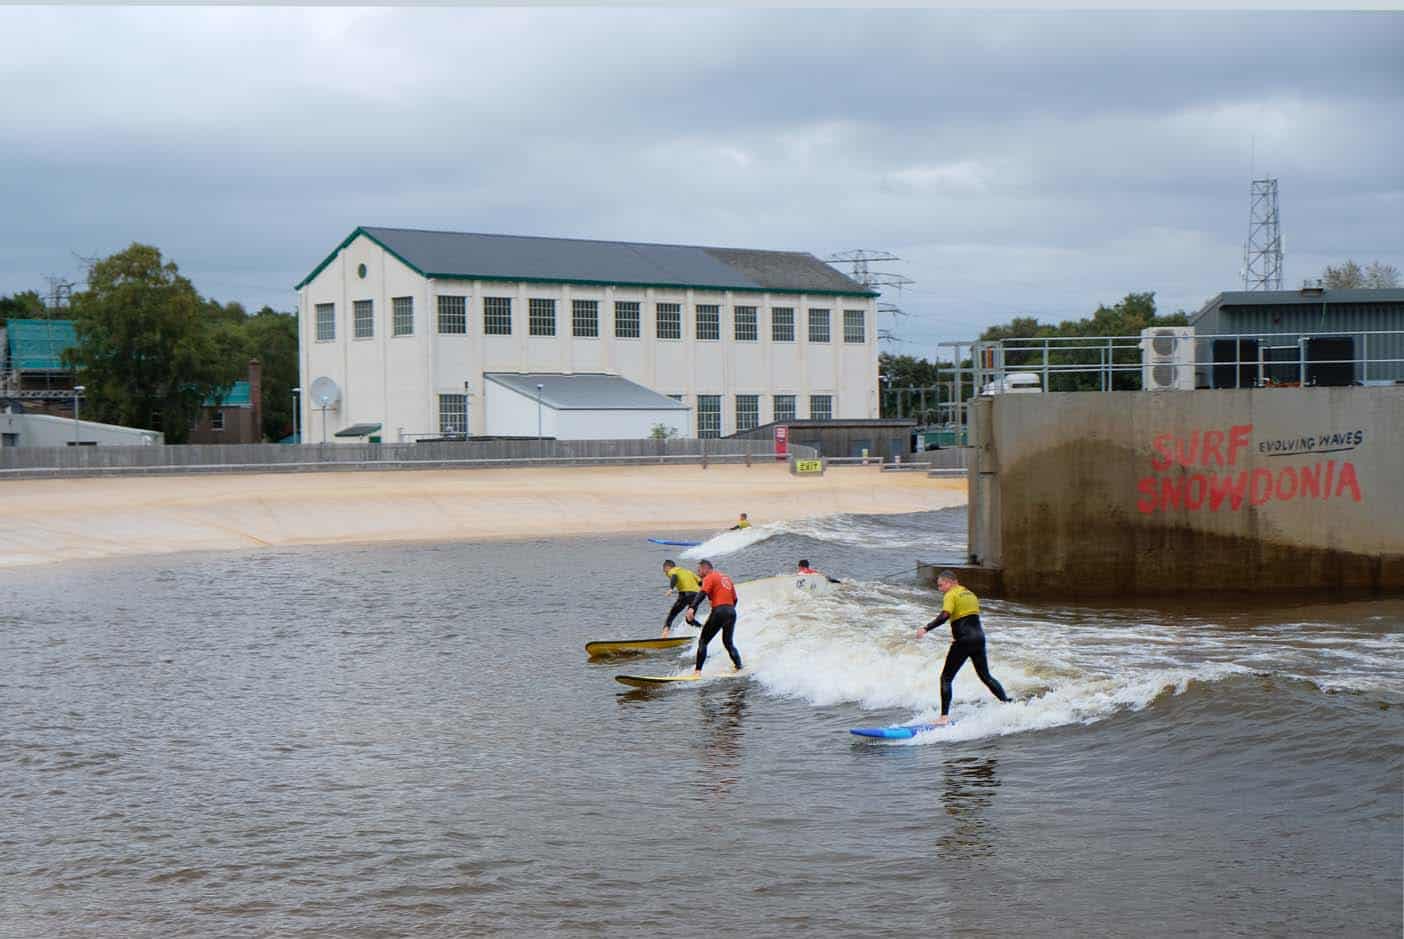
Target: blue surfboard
x: 676, y: 544
x: 899, y: 731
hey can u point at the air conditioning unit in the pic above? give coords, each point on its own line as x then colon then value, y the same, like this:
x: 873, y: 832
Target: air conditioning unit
x: 1167, y: 358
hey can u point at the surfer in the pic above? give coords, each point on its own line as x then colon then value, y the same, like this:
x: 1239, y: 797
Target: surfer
x: 685, y: 583
x: 742, y: 522
x: 803, y: 568
x: 962, y: 608
x: 721, y: 593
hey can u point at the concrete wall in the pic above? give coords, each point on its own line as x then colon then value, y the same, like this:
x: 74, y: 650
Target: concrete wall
x: 396, y: 380
x: 1167, y: 493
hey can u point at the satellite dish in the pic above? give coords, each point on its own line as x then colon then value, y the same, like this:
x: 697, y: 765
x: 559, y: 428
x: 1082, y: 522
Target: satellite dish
x: 325, y: 393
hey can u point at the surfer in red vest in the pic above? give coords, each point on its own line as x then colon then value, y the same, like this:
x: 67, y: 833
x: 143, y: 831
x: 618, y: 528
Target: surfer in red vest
x: 721, y: 594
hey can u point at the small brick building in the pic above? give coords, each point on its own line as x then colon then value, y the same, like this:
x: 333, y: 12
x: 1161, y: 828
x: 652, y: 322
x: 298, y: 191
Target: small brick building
x: 235, y: 417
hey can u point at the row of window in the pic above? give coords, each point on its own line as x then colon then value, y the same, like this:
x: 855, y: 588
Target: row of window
x: 453, y: 412
x: 585, y: 320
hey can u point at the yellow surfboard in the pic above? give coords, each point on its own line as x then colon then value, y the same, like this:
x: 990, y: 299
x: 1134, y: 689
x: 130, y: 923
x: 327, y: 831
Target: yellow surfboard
x: 658, y: 681
x: 601, y: 648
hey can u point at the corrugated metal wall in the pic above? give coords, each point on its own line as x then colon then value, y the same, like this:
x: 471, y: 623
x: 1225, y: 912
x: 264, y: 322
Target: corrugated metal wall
x: 1295, y: 319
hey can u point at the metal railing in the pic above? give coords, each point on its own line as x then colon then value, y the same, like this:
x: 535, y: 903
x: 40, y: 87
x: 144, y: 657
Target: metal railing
x: 19, y: 462
x: 1120, y: 363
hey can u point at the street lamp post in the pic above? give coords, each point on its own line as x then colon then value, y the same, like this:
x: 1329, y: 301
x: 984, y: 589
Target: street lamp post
x: 77, y: 424
x: 539, y: 442
x: 297, y: 408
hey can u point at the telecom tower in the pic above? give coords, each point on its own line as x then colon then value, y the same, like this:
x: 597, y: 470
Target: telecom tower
x: 1262, y: 255
x: 874, y: 280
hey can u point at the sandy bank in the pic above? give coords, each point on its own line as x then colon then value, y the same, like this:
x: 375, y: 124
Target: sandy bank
x: 42, y: 521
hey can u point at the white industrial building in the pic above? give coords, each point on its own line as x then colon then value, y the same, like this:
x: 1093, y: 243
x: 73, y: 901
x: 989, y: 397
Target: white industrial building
x: 428, y: 333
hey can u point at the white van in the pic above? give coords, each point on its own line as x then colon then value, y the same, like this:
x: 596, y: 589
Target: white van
x: 1014, y: 383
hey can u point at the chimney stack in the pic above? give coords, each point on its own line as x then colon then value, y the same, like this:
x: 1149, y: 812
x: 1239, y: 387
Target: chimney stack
x: 256, y: 398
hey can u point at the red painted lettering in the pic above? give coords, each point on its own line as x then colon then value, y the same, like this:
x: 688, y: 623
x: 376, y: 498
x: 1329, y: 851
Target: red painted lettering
x: 1171, y: 491
x: 1330, y: 474
x: 1284, y: 493
x: 1213, y: 440
x: 1261, y: 488
x: 1311, y: 480
x: 1146, y: 487
x: 1348, y: 480
x: 1196, y: 488
x: 1161, y: 444
x: 1228, y: 486
x: 1238, y: 440
x: 1187, y: 450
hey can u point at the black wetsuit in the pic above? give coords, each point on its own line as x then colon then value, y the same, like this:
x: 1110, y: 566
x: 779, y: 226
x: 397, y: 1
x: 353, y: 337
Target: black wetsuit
x: 967, y: 642
x: 683, y: 601
x: 722, y: 619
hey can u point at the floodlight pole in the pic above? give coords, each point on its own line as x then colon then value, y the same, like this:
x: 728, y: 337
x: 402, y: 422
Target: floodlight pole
x: 539, y: 442
x: 77, y: 424
x: 297, y: 407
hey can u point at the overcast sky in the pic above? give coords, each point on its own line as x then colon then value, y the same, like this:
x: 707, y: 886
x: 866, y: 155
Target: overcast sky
x: 1018, y: 164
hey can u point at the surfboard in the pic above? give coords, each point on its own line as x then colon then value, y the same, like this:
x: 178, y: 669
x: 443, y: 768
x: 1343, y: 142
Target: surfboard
x: 676, y: 544
x: 603, y: 647
x: 898, y: 731
x: 659, y: 681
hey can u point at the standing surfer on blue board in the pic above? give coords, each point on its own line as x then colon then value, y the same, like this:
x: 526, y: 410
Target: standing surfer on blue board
x: 686, y: 584
x: 743, y: 522
x: 721, y: 593
x: 962, y: 608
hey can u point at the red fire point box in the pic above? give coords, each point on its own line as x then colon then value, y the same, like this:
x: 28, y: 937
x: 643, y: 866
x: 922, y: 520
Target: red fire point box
x: 782, y: 442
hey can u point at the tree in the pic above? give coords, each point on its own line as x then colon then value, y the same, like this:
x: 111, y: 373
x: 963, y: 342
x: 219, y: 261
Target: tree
x: 25, y: 305
x: 147, y: 349
x: 1377, y: 276
x: 271, y: 337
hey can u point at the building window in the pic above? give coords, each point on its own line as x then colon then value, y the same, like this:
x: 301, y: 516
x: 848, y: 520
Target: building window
x: 326, y: 322
x: 453, y: 316
x: 708, y: 322
x: 747, y: 412
x: 453, y: 414
x: 217, y: 419
x: 363, y: 316
x: 585, y: 318
x: 784, y: 407
x: 402, y: 316
x: 626, y: 319
x: 541, y: 317
x: 854, y: 329
x: 782, y: 324
x: 709, y: 415
x: 821, y: 407
x: 746, y: 330
x: 670, y: 321
x: 497, y: 316
x: 818, y: 324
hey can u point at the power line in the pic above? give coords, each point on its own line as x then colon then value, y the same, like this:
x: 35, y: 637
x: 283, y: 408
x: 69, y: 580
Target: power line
x: 859, y: 261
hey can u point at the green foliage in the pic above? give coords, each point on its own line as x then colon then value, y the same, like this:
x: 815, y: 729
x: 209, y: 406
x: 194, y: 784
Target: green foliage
x: 147, y: 350
x: 25, y: 305
x: 271, y: 337
x: 1135, y: 312
x: 662, y: 431
x: 1377, y: 276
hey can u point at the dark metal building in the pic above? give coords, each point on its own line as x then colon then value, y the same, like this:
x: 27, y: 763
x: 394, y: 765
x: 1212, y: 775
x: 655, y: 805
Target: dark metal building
x: 881, y: 437
x: 1312, y: 336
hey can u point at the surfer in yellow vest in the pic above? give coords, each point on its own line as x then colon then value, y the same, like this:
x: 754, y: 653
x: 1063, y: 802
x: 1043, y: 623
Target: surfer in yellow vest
x: 742, y: 522
x: 962, y: 608
x: 686, y: 584
x: 721, y: 593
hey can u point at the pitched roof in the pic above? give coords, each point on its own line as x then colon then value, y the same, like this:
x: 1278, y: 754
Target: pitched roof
x: 466, y: 255
x: 237, y: 397
x: 585, y: 391
x: 38, y: 345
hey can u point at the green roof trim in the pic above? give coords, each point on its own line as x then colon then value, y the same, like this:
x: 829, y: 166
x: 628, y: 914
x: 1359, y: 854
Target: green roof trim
x: 588, y: 282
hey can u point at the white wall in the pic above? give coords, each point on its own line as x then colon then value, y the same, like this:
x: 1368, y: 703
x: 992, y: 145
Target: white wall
x: 45, y: 430
x: 511, y: 414
x: 616, y: 424
x: 396, y: 380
